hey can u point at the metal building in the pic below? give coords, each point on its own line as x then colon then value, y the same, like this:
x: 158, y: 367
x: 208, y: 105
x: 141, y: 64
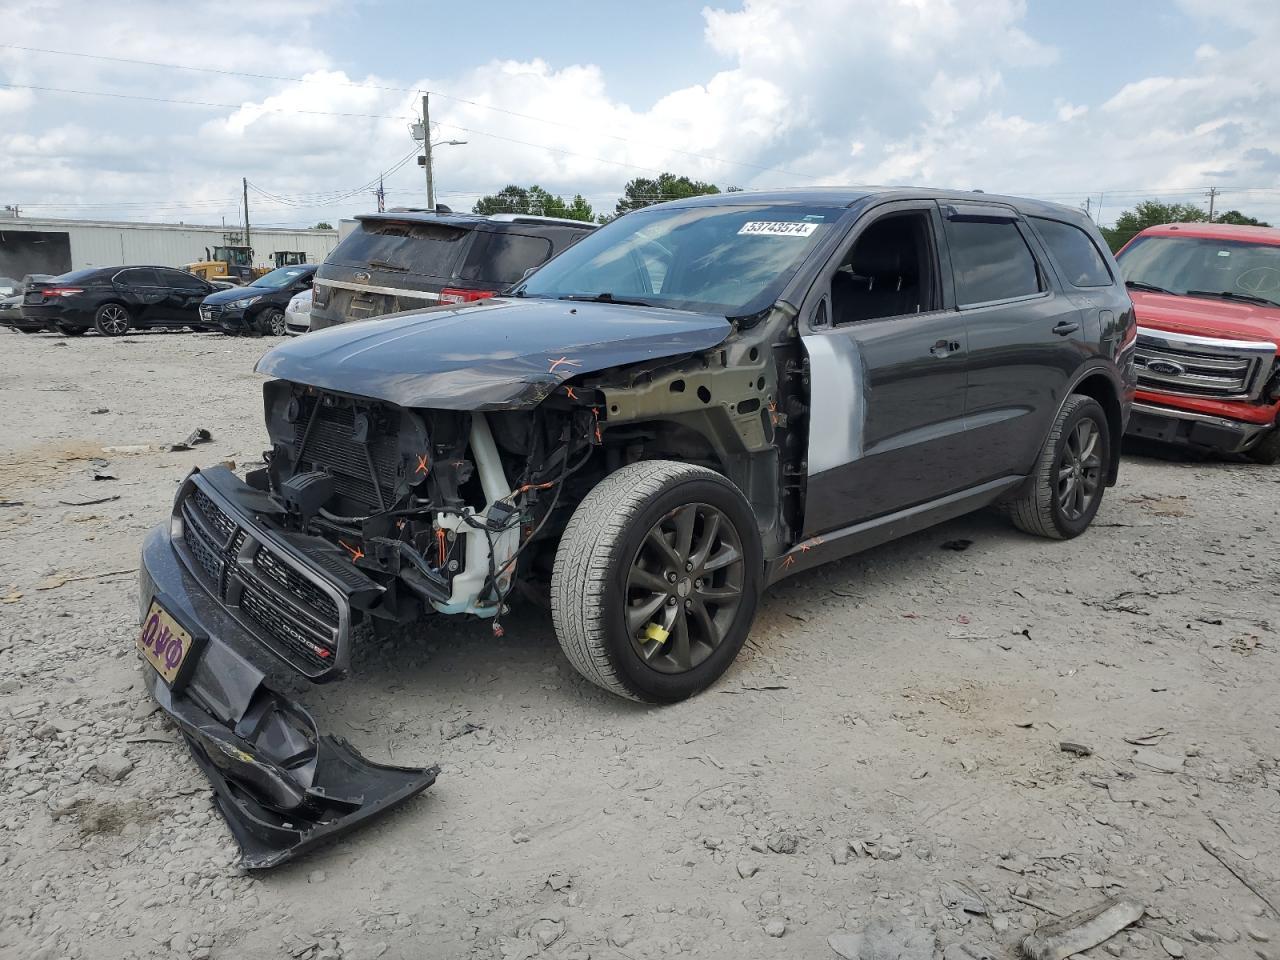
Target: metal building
x: 39, y: 245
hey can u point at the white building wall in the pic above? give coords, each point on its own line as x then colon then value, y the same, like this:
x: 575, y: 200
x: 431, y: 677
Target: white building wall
x: 105, y: 244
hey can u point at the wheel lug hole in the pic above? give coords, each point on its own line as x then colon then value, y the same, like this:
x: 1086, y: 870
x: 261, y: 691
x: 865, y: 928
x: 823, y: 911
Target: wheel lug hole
x: 688, y: 604
x: 688, y: 567
x: 671, y: 576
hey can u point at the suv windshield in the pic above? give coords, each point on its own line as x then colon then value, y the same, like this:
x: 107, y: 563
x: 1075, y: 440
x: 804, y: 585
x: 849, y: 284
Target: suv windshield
x: 279, y: 279
x: 731, y: 260
x: 424, y: 249
x: 1204, y: 266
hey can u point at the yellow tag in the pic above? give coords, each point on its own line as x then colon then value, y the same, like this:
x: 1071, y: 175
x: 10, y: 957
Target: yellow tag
x: 654, y: 631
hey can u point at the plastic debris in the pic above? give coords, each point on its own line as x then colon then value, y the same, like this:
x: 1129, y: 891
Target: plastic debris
x: 1080, y: 931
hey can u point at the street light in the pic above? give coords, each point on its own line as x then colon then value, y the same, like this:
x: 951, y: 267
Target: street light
x: 426, y: 161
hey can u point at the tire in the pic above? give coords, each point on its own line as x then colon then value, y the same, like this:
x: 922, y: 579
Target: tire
x: 608, y: 566
x: 1267, y: 450
x: 112, y: 319
x: 71, y: 331
x: 1041, y: 510
x: 271, y: 322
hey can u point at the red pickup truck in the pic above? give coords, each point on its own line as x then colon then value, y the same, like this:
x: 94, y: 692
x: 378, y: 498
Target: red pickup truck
x: 1207, y: 298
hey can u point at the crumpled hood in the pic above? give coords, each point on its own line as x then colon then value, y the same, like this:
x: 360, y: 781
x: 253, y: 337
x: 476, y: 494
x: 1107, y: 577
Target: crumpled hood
x: 1205, y: 317
x: 497, y: 354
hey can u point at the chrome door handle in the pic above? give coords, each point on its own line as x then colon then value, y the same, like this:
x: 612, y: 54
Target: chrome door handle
x: 944, y: 348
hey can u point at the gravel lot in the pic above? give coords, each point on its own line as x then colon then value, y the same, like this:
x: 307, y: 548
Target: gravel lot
x: 885, y: 755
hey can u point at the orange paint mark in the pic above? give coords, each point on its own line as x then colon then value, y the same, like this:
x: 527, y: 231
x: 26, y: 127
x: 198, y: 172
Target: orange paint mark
x: 442, y: 549
x: 356, y: 552
x: 595, y: 412
x: 570, y: 394
x: 422, y: 463
x: 788, y: 560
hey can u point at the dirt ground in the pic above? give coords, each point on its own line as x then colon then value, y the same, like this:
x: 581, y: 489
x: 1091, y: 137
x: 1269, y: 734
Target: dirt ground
x: 884, y: 759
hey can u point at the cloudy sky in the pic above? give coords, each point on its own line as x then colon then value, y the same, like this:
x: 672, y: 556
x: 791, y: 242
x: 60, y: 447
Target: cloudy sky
x: 311, y: 100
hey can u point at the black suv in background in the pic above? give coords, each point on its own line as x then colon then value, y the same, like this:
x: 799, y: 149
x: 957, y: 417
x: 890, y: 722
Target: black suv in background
x: 258, y: 307
x: 114, y: 300
x: 406, y: 260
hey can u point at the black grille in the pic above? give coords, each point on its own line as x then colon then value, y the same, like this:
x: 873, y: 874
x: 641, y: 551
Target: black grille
x: 296, y: 584
x: 290, y: 632
x: 292, y: 614
x: 214, y: 514
x: 211, y: 312
x: 328, y: 445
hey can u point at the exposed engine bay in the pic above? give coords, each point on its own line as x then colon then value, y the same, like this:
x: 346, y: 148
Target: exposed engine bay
x: 437, y: 507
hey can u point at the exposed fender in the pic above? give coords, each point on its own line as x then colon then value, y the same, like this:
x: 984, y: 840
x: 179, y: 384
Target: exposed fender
x: 727, y: 396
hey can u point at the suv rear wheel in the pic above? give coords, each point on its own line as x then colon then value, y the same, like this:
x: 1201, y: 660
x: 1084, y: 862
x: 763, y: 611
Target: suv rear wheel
x: 656, y: 580
x: 1065, y: 491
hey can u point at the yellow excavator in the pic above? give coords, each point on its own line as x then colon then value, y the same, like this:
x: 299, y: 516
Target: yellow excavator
x: 229, y: 262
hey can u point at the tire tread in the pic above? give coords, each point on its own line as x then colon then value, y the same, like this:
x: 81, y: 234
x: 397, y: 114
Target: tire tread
x: 580, y: 576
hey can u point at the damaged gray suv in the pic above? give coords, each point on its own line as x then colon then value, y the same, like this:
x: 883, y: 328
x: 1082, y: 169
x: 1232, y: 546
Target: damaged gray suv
x: 693, y: 402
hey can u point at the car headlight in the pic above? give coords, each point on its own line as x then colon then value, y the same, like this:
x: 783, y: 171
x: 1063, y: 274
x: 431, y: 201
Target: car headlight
x: 250, y: 302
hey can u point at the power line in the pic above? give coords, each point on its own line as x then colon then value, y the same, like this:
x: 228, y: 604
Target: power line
x: 393, y: 89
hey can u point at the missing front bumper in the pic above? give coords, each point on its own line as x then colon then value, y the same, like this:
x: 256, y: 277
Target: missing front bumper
x: 281, y: 785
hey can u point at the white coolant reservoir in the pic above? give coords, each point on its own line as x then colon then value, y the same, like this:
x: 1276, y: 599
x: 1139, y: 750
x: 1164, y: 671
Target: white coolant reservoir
x: 493, y: 481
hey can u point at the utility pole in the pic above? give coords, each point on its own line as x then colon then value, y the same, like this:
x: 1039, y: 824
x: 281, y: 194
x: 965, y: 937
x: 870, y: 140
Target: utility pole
x: 244, y: 183
x: 426, y: 151
x: 1212, y: 195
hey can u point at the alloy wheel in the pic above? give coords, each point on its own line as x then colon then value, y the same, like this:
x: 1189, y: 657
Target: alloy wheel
x: 684, y: 588
x: 114, y: 320
x: 1080, y: 469
x: 277, y: 323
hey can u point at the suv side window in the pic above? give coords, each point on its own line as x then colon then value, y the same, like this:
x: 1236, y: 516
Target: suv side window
x: 1075, y: 252
x: 504, y: 257
x: 890, y: 271
x: 991, y: 261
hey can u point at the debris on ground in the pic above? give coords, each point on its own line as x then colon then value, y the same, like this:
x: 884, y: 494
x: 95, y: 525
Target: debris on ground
x: 1259, y: 885
x: 957, y: 545
x: 1079, y: 749
x: 197, y: 436
x: 1080, y: 931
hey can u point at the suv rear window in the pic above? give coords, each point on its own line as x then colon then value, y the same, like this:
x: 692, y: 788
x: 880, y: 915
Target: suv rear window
x: 1075, y: 252
x: 991, y: 261
x: 424, y: 249
x: 502, y: 258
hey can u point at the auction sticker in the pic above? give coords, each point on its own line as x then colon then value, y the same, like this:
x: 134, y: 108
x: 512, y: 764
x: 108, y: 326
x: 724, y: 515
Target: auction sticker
x: 777, y: 228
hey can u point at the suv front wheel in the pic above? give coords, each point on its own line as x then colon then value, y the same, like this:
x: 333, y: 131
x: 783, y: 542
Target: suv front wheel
x: 656, y: 580
x: 1064, y: 493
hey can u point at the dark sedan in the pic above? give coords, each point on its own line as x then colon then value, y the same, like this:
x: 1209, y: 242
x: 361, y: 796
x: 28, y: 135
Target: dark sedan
x: 115, y: 300
x: 259, y: 307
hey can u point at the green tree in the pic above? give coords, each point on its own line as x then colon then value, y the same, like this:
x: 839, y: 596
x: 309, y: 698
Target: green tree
x: 535, y: 201
x: 643, y: 191
x: 1238, y: 218
x: 1150, y: 213
x: 323, y: 225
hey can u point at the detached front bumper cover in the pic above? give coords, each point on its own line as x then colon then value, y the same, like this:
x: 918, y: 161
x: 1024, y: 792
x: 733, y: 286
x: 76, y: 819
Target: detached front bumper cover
x: 281, y: 786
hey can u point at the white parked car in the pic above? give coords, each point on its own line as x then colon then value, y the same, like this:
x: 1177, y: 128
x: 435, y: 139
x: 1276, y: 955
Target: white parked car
x: 297, y: 315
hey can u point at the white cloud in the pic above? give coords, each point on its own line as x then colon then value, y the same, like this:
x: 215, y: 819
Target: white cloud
x: 838, y: 91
